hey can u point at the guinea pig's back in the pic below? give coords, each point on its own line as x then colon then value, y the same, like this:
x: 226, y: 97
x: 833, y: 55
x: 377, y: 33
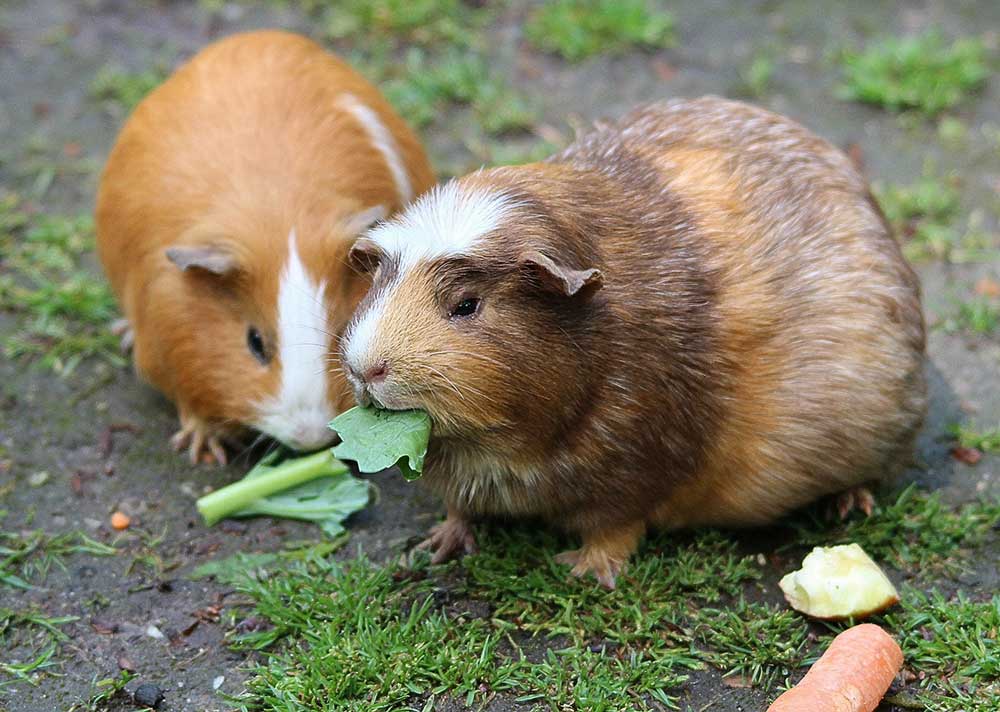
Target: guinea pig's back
x: 820, y: 333
x: 265, y: 126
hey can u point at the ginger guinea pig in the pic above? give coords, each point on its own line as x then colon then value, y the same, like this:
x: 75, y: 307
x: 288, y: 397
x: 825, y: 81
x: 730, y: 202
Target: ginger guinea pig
x: 224, y: 218
x: 694, y: 316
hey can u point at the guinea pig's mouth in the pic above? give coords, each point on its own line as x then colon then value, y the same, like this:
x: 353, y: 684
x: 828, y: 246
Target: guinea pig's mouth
x: 381, y: 395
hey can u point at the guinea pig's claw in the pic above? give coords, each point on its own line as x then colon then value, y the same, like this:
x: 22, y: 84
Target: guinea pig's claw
x: 201, y: 447
x: 123, y: 330
x: 452, y: 538
x: 859, y: 498
x: 585, y: 561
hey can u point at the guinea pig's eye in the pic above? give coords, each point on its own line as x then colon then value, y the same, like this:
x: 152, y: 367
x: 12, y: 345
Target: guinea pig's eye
x: 467, y: 307
x: 255, y: 342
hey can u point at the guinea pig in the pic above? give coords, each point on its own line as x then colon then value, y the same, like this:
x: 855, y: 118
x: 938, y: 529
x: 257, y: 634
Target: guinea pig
x: 224, y: 219
x: 694, y: 316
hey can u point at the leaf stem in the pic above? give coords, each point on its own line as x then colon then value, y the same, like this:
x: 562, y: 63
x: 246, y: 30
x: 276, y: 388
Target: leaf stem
x: 242, y: 494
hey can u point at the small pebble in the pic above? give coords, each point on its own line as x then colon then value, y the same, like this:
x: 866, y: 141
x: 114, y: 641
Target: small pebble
x: 153, y: 632
x: 148, y: 695
x: 38, y: 479
x: 120, y: 521
x: 217, y: 682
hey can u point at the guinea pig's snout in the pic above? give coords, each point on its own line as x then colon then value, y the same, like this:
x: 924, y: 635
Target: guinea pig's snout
x: 377, y: 373
x: 369, y: 375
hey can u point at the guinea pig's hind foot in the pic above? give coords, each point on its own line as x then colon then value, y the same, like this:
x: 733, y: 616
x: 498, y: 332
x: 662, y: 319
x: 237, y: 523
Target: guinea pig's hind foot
x: 604, y: 554
x: 450, y: 539
x: 201, y: 443
x: 122, y: 328
x: 860, y: 498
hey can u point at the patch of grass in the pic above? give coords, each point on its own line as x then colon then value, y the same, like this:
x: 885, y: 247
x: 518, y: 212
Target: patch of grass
x: 123, y: 89
x: 956, y: 642
x: 508, y: 621
x: 64, y: 308
x: 922, y: 73
x: 423, y: 22
x: 456, y: 78
x: 26, y: 558
x: 922, y: 215
x: 577, y: 29
x: 105, y: 691
x: 755, y: 78
x: 916, y: 531
x: 518, y: 626
x: 978, y: 316
x: 972, y: 437
x: 759, y: 642
x: 31, y: 633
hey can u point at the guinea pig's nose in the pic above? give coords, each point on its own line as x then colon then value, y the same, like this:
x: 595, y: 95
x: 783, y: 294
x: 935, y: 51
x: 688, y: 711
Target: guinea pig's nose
x: 376, y: 373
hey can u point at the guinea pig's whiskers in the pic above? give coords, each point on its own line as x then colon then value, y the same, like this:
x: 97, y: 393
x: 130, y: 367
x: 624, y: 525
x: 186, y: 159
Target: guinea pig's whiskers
x: 448, y: 382
x: 471, y: 354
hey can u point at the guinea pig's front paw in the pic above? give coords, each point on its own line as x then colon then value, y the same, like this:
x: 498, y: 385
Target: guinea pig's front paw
x: 588, y: 559
x: 450, y: 539
x: 604, y: 554
x: 202, y: 442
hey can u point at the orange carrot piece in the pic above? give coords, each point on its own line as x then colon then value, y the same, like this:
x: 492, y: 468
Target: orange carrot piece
x: 851, y: 676
x: 120, y: 520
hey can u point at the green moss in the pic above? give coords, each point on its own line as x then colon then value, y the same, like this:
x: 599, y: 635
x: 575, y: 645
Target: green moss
x: 922, y: 73
x: 577, y: 29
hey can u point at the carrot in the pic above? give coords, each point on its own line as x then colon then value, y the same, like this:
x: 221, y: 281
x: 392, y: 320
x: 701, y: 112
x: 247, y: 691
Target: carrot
x: 120, y: 520
x: 851, y: 676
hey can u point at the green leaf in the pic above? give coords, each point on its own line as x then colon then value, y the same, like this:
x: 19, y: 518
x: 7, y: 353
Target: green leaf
x: 314, y: 488
x: 327, y: 501
x: 378, y: 439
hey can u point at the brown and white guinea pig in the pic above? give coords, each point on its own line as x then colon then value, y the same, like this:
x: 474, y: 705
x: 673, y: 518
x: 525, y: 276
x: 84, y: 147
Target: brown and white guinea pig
x: 694, y: 316
x: 224, y: 219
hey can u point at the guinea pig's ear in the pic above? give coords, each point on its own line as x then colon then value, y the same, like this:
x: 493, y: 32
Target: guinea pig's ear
x: 561, y: 280
x: 213, y: 259
x: 359, y: 222
x: 364, y: 255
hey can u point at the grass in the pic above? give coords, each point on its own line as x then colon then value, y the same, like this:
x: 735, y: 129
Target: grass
x: 422, y: 22
x: 922, y: 73
x: 27, y: 557
x: 429, y: 85
x: 64, y: 310
x: 577, y: 29
x: 755, y: 78
x: 956, y: 642
x: 123, y: 90
x: 757, y: 641
x: 980, y: 315
x: 27, y: 632
x: 508, y: 622
x: 922, y: 214
x: 915, y: 531
x: 970, y: 436
x: 105, y: 691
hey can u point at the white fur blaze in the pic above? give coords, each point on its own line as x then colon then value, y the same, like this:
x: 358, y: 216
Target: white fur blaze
x: 449, y: 220
x: 299, y: 413
x: 383, y: 141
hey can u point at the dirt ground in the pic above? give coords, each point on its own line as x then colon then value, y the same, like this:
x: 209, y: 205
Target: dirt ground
x: 49, y: 53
